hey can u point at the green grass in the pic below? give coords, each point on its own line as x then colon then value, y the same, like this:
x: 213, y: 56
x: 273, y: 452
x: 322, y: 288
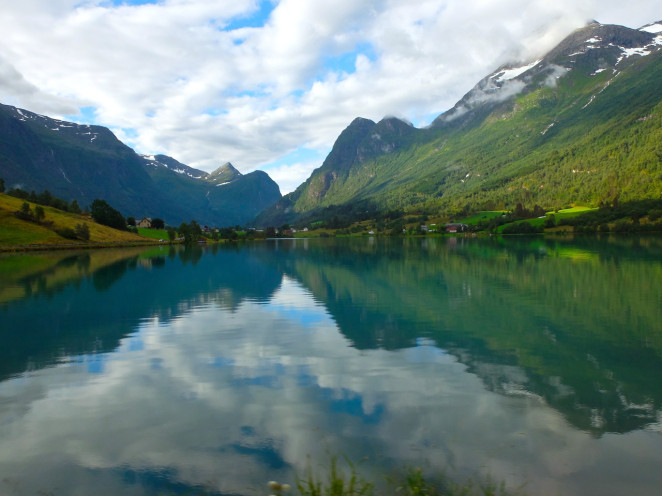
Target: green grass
x: 153, y: 233
x: 565, y: 213
x: 349, y: 482
x: 485, y: 215
x: 14, y: 231
x: 571, y: 212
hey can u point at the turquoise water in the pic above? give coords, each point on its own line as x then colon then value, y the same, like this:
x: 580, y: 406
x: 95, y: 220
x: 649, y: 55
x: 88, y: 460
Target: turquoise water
x: 215, y: 370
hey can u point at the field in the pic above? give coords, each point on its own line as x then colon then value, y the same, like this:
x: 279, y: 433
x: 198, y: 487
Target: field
x: 485, y: 215
x: 491, y: 214
x: 158, y: 234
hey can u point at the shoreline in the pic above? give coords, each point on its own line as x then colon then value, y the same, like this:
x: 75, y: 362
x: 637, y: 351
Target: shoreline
x: 70, y: 246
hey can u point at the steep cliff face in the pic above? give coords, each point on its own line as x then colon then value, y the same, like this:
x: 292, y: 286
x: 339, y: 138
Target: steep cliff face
x: 360, y: 143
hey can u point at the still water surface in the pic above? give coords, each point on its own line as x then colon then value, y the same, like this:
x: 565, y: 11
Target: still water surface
x: 211, y: 371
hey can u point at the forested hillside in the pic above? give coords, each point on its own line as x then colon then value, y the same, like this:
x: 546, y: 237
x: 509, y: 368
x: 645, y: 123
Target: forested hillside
x: 583, y: 125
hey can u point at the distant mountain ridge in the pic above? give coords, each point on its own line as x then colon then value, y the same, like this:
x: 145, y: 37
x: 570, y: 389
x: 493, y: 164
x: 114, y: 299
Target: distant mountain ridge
x: 84, y: 162
x: 581, y: 124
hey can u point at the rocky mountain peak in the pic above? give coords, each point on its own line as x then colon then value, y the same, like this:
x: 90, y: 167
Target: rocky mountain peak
x: 226, y: 173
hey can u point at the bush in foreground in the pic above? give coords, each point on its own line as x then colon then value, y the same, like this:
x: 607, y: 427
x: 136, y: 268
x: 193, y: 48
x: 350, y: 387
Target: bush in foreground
x: 413, y: 482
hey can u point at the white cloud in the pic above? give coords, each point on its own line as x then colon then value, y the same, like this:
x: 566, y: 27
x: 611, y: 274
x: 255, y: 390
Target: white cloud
x: 191, y: 88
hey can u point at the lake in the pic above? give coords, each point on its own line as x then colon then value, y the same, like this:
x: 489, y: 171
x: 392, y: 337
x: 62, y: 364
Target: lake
x: 172, y: 371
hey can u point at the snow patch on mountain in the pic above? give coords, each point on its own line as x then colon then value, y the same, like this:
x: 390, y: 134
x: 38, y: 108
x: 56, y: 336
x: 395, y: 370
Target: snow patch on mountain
x: 154, y: 162
x: 652, y: 28
x: 55, y: 125
x: 591, y: 44
x: 508, y: 74
x: 641, y: 51
x: 629, y: 52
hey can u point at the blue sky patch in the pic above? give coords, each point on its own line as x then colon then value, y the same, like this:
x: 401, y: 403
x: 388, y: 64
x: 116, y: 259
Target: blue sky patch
x: 87, y: 115
x: 214, y: 112
x: 346, y: 62
x: 256, y: 19
x: 425, y: 120
x: 119, y: 3
x: 129, y: 132
x: 302, y: 155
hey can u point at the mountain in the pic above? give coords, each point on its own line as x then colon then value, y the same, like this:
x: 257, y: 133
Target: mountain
x: 84, y: 162
x: 225, y: 174
x: 583, y: 124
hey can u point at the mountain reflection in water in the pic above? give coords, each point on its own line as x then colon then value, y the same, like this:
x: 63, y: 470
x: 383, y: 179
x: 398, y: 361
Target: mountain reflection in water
x: 217, y: 369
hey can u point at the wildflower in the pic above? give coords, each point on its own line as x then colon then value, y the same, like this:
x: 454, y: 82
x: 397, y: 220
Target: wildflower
x: 279, y: 488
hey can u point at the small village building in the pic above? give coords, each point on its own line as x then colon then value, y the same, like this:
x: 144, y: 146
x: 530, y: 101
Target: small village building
x: 455, y: 228
x: 145, y: 222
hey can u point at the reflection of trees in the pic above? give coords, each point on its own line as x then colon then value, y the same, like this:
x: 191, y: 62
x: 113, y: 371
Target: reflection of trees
x: 577, y: 317
x: 105, y: 277
x: 190, y: 253
x: 158, y: 262
x: 108, y: 299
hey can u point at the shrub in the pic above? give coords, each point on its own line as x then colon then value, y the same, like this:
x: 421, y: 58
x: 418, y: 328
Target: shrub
x: 82, y: 231
x: 39, y: 213
x: 549, y: 221
x: 25, y: 213
x: 521, y: 228
x: 66, y: 232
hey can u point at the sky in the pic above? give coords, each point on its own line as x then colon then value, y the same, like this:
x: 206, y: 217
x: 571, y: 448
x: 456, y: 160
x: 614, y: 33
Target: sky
x: 269, y: 84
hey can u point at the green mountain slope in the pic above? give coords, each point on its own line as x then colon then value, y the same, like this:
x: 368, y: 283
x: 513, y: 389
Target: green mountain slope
x: 581, y: 125
x: 82, y: 163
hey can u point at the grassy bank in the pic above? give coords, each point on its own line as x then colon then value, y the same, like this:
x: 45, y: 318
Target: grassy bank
x: 17, y: 233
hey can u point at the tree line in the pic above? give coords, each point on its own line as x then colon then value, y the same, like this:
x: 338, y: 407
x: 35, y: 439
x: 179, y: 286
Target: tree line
x: 45, y: 198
